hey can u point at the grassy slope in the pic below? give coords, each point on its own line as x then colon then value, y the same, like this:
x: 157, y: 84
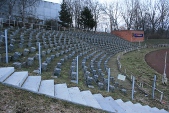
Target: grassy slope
x: 18, y: 101
x: 134, y: 63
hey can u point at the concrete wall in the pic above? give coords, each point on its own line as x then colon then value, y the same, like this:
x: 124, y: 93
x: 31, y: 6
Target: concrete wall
x: 44, y: 10
x: 130, y: 35
x: 47, y: 10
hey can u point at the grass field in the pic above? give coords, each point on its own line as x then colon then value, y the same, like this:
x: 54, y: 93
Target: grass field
x: 134, y: 64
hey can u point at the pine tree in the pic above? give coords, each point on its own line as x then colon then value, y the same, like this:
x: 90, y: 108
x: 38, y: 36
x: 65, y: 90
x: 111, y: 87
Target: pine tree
x: 86, y: 19
x: 65, y: 16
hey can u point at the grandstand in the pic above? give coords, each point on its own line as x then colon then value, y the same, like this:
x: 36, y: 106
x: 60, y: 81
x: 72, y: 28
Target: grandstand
x: 57, y: 49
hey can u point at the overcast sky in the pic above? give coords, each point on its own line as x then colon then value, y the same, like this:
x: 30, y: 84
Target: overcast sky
x: 59, y: 1
x: 55, y: 1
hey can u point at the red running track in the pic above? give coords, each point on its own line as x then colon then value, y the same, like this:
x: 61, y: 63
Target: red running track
x: 156, y: 60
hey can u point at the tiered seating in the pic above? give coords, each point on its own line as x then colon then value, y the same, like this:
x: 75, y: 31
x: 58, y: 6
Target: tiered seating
x: 109, y: 43
x: 60, y: 48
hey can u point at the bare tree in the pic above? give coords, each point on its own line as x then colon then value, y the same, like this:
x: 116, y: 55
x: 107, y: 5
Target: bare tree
x: 75, y: 7
x: 163, y: 6
x: 141, y: 15
x: 11, y: 5
x: 137, y: 18
x: 112, y: 11
x: 2, y: 2
x: 167, y: 26
x: 95, y: 7
x: 7, y: 8
x: 24, y: 5
x: 153, y: 16
x: 128, y: 13
x: 147, y: 15
x: 3, y: 8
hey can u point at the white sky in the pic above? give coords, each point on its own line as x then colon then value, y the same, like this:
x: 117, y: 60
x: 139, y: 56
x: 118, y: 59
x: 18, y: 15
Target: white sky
x: 54, y: 1
x: 60, y: 1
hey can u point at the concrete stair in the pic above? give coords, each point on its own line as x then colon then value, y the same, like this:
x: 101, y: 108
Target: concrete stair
x: 61, y: 92
x: 17, y: 78
x: 101, y: 100
x: 47, y: 87
x: 124, y: 106
x: 114, y: 105
x: 5, y: 72
x: 163, y: 111
x: 90, y: 100
x: 34, y: 84
x: 139, y: 107
x: 135, y: 109
x: 76, y: 96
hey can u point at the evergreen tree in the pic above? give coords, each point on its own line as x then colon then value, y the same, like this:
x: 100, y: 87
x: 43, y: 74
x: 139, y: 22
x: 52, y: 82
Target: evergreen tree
x: 65, y: 16
x: 86, y: 19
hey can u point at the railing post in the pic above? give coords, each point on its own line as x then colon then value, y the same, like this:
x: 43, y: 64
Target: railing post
x: 161, y: 97
x: 108, y: 87
x: 77, y: 72
x: 132, y: 94
x: 6, y: 43
x: 40, y: 67
x: 154, y: 85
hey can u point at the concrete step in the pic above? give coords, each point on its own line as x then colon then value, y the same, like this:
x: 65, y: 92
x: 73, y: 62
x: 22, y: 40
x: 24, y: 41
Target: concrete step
x: 61, y: 92
x: 102, y: 102
x: 124, y: 106
x: 155, y: 110
x: 90, y: 100
x: 5, y: 72
x: 148, y: 109
x: 114, y: 105
x: 17, y: 78
x: 76, y: 96
x: 163, y: 111
x: 47, y: 87
x: 141, y: 108
x: 32, y: 83
x: 131, y: 105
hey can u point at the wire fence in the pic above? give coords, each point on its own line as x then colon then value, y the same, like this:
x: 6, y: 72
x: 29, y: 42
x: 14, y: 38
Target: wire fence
x: 141, y: 84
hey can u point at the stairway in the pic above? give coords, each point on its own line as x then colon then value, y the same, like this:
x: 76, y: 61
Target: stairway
x: 34, y: 84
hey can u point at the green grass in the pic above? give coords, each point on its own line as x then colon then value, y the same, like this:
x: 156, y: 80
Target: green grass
x: 135, y: 64
x: 155, y: 41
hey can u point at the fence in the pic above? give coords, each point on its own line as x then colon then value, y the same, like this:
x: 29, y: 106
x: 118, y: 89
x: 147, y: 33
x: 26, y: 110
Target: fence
x: 20, y: 24
x: 141, y: 84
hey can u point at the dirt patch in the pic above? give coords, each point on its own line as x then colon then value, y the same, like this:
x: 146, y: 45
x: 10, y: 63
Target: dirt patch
x: 156, y: 60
